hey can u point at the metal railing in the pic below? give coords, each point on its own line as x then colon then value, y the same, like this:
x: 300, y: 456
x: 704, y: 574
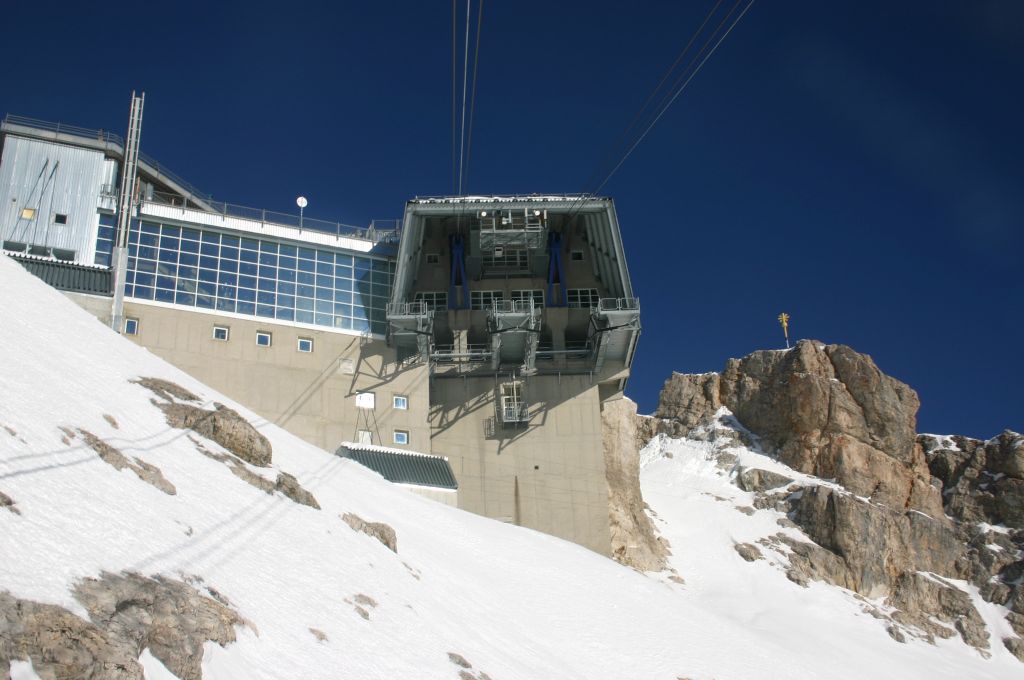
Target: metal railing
x: 618, y: 304
x: 376, y: 234
x: 514, y: 411
x: 513, y: 307
x: 407, y: 309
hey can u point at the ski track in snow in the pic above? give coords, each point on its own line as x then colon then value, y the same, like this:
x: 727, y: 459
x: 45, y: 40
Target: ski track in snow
x: 516, y: 603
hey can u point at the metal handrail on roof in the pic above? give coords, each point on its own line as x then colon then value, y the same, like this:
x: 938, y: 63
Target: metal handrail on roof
x: 390, y: 234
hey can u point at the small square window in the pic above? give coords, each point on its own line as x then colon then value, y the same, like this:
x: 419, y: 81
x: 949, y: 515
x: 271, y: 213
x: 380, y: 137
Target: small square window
x: 433, y: 258
x: 401, y: 437
x: 131, y: 326
x: 400, y: 402
x: 60, y: 218
x: 263, y: 338
x: 347, y: 366
x: 305, y: 344
x: 28, y: 213
x: 221, y: 333
x: 576, y: 256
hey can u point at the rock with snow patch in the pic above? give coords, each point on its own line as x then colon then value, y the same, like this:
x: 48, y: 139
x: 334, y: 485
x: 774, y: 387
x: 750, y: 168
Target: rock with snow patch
x: 755, y: 479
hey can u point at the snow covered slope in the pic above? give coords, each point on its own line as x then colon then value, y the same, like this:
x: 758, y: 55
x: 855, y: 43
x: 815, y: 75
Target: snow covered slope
x: 513, y: 603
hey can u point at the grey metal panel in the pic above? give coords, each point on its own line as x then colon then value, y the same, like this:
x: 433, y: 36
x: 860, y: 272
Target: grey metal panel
x: 69, y: 277
x: 403, y: 468
x: 51, y: 179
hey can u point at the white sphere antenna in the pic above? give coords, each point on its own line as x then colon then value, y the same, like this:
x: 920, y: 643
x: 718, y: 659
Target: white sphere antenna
x: 301, y: 202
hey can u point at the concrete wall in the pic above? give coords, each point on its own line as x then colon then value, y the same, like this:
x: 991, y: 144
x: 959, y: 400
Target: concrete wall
x: 312, y: 394
x: 549, y: 475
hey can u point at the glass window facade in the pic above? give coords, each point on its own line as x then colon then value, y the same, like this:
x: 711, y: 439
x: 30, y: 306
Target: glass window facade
x: 207, y: 269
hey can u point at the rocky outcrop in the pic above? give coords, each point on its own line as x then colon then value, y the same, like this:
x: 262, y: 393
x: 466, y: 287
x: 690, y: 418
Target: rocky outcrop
x: 908, y: 510
x: 634, y: 541
x: 981, y: 481
x: 822, y: 409
x: 129, y: 613
x: 222, y: 425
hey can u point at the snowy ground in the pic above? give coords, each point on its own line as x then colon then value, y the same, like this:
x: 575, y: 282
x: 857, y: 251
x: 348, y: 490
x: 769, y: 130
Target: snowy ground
x: 513, y: 602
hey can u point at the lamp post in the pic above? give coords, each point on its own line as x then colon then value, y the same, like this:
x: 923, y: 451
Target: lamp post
x: 302, y: 203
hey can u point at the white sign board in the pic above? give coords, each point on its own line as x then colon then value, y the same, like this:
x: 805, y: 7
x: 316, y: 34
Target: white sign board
x: 365, y: 400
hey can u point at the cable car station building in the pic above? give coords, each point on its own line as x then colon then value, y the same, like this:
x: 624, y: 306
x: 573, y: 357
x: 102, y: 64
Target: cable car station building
x: 484, y: 330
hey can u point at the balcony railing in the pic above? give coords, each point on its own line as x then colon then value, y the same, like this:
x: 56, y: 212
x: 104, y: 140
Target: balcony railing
x: 514, y: 412
x: 618, y: 304
x: 407, y: 309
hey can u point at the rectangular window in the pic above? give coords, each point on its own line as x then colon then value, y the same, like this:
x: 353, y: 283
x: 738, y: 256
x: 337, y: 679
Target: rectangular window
x: 221, y: 333
x: 576, y: 255
x: 536, y: 295
x: 507, y: 258
x: 305, y: 345
x: 582, y: 298
x: 433, y: 258
x: 434, y: 300
x: 400, y: 402
x: 401, y: 437
x: 28, y: 213
x: 131, y: 326
x: 60, y: 218
x: 484, y: 299
x: 263, y: 338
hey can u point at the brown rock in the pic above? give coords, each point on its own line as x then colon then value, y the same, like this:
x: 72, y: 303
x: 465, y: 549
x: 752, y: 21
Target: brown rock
x: 634, y: 541
x: 224, y: 426
x: 382, y: 532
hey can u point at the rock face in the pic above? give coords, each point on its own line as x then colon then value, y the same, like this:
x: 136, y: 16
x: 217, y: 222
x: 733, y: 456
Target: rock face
x: 822, y: 409
x: 129, y: 613
x: 981, y: 481
x: 633, y: 538
x: 906, y: 504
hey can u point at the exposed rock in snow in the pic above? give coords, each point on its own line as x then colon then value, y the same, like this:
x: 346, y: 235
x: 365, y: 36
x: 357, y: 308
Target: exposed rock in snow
x: 634, y: 540
x: 382, y: 532
x: 128, y: 613
x: 8, y: 503
x: 147, y: 472
x: 222, y: 425
x: 872, y: 511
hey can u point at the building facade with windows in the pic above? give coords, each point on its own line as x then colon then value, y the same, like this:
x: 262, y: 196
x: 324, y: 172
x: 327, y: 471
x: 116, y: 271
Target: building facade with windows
x: 485, y: 330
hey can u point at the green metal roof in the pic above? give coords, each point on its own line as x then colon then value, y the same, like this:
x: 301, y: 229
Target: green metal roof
x: 68, y: 276
x: 402, y: 467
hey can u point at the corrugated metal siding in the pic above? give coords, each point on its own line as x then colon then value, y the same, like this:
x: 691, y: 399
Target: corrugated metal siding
x: 28, y: 180
x: 403, y: 468
x: 69, y: 277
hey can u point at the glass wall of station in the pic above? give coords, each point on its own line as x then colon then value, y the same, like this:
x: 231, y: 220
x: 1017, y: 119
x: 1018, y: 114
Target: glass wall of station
x: 259, y: 277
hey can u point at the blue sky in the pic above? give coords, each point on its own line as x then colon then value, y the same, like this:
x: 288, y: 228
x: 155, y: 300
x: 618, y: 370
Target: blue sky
x: 857, y: 165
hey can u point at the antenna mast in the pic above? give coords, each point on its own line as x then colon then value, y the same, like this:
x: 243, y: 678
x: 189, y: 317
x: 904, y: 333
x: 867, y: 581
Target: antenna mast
x: 124, y: 207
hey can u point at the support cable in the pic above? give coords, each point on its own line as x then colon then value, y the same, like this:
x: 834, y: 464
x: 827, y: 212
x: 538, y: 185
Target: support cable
x: 678, y: 87
x: 472, y: 96
x: 465, y: 74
